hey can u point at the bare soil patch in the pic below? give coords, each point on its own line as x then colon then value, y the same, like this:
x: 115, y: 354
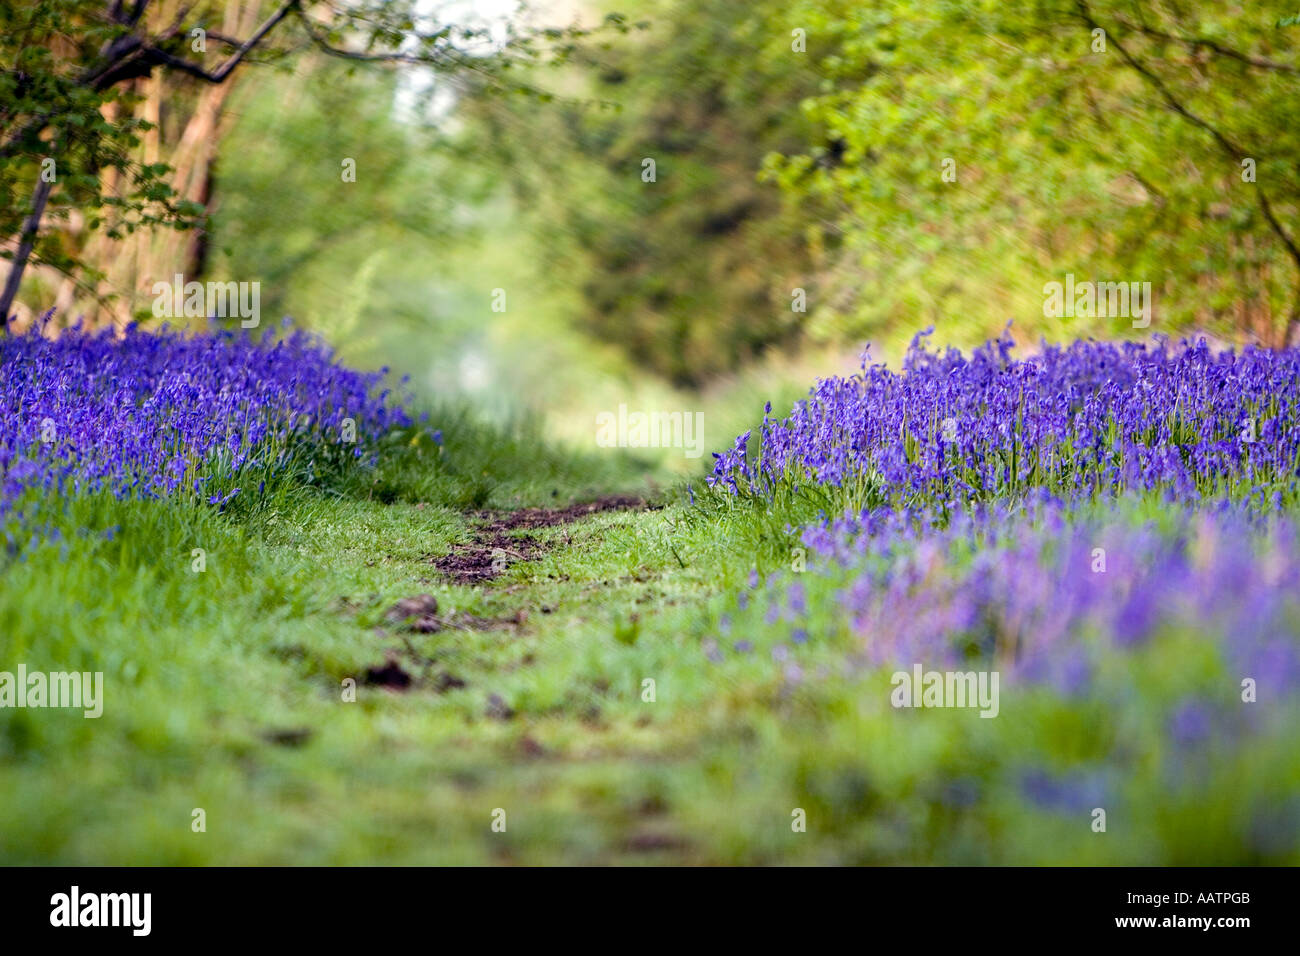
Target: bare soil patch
x: 496, y: 545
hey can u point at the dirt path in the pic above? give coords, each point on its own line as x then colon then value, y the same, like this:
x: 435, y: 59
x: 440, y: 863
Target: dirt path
x: 494, y: 548
x: 495, y: 545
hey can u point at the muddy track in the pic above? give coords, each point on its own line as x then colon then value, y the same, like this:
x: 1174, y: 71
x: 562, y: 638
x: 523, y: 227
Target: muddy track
x: 496, y: 545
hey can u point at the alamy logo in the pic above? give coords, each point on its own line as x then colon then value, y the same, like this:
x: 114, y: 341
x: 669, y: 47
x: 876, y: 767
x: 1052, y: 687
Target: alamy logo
x: 946, y: 689
x: 103, y: 909
x: 210, y: 300
x: 651, y: 430
x: 1100, y: 300
x: 56, y: 689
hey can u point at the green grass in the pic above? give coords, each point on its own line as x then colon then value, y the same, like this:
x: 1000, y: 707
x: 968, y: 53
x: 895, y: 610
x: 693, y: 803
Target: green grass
x: 224, y: 692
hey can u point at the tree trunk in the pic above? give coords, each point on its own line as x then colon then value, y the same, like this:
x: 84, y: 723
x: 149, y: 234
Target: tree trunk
x: 187, y: 134
x: 25, y: 244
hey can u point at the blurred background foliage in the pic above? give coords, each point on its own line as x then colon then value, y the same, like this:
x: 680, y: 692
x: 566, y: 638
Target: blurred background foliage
x: 693, y: 271
x: 354, y: 260
x: 797, y: 145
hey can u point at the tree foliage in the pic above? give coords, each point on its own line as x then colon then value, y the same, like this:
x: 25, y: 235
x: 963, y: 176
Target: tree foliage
x: 1117, y: 141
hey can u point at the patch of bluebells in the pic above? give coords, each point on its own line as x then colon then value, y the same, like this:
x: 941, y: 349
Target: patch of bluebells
x: 150, y: 414
x: 1088, y: 418
x: 975, y: 546
x: 1058, y: 598
x: 1042, y: 593
x: 978, y: 472
x: 1058, y: 519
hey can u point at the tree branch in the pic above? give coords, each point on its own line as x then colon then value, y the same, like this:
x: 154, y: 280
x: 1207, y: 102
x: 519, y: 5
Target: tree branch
x: 1205, y: 43
x: 153, y: 56
x: 1231, y: 148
